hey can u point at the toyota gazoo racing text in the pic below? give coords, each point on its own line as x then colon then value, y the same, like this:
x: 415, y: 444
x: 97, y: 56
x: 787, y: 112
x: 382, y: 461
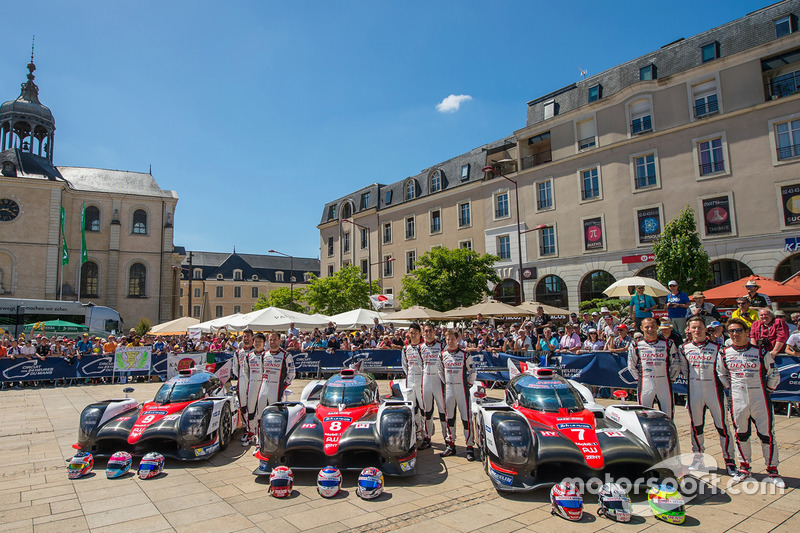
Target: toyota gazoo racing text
x: 191, y: 418
x: 340, y: 422
x: 550, y: 428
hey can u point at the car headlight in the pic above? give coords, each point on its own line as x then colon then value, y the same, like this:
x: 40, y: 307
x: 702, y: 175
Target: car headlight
x: 660, y: 431
x: 194, y: 422
x: 396, y: 431
x: 89, y: 419
x: 273, y: 427
x: 513, y: 439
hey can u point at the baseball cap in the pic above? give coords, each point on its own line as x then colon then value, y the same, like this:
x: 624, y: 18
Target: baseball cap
x: 671, y: 283
x: 715, y: 324
x: 622, y: 326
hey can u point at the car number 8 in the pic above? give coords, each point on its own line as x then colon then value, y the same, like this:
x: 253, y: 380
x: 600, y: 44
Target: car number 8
x: 336, y: 426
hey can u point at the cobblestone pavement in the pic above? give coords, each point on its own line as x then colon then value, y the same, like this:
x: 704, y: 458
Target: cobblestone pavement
x: 38, y: 427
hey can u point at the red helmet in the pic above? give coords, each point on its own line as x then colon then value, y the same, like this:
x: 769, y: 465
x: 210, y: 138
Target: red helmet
x: 281, y: 482
x: 566, y: 501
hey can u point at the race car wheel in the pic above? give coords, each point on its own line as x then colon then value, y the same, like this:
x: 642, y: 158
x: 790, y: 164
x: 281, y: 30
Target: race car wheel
x: 225, y: 427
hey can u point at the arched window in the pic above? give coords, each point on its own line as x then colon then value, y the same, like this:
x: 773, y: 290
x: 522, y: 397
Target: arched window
x: 140, y: 222
x: 347, y: 210
x: 507, y: 291
x: 728, y: 271
x: 787, y: 268
x: 411, y: 190
x: 92, y: 220
x: 552, y: 290
x: 594, y: 283
x: 137, y: 281
x: 436, y: 181
x: 648, y: 272
x: 90, y: 279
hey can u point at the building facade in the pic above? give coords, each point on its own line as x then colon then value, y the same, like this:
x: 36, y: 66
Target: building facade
x: 217, y: 284
x: 128, y: 223
x: 711, y: 121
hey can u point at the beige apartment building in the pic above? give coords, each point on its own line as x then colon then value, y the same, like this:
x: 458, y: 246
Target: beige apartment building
x: 711, y: 121
x: 128, y: 223
x: 215, y: 284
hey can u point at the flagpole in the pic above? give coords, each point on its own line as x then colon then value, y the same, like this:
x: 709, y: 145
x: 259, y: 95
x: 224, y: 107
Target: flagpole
x: 61, y: 236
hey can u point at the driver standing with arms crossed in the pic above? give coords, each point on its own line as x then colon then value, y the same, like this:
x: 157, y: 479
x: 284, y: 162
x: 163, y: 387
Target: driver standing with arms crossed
x: 653, y: 362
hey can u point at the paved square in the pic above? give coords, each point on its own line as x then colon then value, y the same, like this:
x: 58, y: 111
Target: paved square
x: 39, y: 426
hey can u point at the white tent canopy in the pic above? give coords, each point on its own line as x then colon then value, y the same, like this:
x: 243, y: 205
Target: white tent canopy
x: 274, y: 318
x: 355, y: 319
x: 213, y: 325
x: 179, y: 325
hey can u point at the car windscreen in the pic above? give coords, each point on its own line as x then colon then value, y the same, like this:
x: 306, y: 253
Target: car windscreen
x: 349, y: 394
x: 179, y: 392
x: 546, y: 395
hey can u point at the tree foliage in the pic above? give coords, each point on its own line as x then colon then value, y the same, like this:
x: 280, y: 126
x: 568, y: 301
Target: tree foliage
x: 345, y: 290
x: 143, y: 326
x: 282, y: 298
x: 445, y: 279
x: 680, y: 254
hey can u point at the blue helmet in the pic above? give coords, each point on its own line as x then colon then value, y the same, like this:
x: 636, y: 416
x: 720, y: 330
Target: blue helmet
x: 370, y: 484
x: 118, y: 465
x: 151, y: 465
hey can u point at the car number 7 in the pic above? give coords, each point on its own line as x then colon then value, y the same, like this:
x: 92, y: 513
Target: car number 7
x: 579, y: 431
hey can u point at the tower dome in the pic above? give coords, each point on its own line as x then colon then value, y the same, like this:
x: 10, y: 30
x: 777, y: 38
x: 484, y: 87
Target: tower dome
x: 27, y: 124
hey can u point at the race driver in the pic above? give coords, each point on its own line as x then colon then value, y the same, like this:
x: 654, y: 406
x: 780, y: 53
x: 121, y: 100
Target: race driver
x: 750, y: 374
x: 411, y: 360
x: 432, y: 382
x: 255, y: 373
x: 698, y: 360
x: 242, y: 369
x: 278, y: 373
x: 653, y: 362
x: 458, y: 373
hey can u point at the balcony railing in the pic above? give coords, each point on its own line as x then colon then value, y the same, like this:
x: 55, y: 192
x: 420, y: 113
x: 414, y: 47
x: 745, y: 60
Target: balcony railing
x: 500, y: 213
x: 544, y: 204
x: 788, y: 152
x: 711, y: 168
x: 588, y: 142
x: 707, y: 108
x: 436, y: 227
x: 645, y: 181
x: 642, y: 125
x: 539, y: 158
x: 783, y: 86
x: 463, y: 222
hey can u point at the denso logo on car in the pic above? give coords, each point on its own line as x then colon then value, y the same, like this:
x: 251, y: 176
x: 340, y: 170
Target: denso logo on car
x: 502, y: 478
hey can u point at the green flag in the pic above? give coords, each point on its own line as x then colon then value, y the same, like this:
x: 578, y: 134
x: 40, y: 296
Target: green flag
x: 64, y: 249
x: 84, y: 251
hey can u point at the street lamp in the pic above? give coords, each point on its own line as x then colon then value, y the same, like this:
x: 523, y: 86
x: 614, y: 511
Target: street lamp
x: 291, y: 276
x: 491, y: 169
x: 369, y: 250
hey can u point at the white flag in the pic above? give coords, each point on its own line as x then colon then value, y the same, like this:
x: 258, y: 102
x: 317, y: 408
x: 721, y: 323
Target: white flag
x: 380, y: 301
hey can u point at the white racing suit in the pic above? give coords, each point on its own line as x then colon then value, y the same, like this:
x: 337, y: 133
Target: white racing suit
x: 432, y: 385
x: 654, y: 365
x: 751, y: 376
x: 255, y: 373
x: 411, y: 359
x: 242, y: 371
x: 278, y: 373
x: 699, y: 365
x: 458, y: 373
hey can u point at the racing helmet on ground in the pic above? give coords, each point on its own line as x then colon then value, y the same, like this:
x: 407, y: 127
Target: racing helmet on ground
x: 151, y: 465
x: 667, y: 503
x: 329, y: 481
x: 118, y: 465
x: 281, y: 482
x: 566, y: 501
x: 370, y: 484
x: 80, y: 465
x: 613, y: 502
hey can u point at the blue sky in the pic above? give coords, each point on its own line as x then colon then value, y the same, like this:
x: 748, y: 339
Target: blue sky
x: 259, y: 112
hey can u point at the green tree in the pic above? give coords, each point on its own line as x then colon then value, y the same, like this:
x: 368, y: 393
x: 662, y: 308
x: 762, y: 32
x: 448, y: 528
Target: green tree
x: 445, y: 279
x: 282, y: 298
x: 143, y: 326
x: 345, y: 290
x: 680, y: 255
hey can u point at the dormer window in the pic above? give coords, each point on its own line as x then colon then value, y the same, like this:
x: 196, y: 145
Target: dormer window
x: 436, y: 181
x: 254, y: 277
x: 237, y: 275
x: 197, y: 273
x: 219, y: 276
x: 411, y: 190
x: 279, y: 276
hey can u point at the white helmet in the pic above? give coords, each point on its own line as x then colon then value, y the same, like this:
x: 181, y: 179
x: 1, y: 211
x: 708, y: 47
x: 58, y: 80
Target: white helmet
x: 329, y: 481
x: 613, y: 502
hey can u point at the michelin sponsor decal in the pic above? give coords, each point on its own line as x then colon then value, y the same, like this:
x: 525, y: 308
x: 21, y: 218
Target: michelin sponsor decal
x: 500, y: 477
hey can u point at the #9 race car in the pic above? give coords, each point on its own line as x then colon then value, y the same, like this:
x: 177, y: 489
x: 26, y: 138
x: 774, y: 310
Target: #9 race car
x: 340, y: 422
x: 550, y: 428
x: 190, y: 418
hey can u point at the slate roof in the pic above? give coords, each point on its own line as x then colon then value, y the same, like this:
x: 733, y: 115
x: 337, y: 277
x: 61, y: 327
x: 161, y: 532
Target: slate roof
x: 263, y: 266
x: 117, y: 181
x: 30, y: 165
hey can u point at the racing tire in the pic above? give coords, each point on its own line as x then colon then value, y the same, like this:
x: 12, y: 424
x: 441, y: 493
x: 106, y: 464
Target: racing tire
x: 225, y: 427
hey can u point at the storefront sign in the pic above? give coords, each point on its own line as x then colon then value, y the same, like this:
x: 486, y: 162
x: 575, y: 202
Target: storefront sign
x: 644, y: 258
x: 592, y: 234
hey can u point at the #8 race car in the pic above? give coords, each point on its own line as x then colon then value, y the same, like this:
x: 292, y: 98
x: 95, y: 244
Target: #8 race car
x: 190, y: 418
x: 549, y: 428
x: 340, y: 422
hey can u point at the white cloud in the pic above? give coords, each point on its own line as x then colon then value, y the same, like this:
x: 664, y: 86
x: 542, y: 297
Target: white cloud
x: 452, y: 103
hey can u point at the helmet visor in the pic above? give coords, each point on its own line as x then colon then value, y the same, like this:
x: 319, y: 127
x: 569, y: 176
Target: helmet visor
x: 328, y: 483
x: 369, y: 484
x: 614, y: 504
x: 77, y: 467
x: 570, y: 504
x: 280, y: 483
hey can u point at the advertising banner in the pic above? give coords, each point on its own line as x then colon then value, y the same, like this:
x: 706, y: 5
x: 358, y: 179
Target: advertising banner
x: 593, y: 234
x: 134, y: 359
x: 648, y: 222
x: 717, y: 215
x: 182, y: 361
x: 790, y: 200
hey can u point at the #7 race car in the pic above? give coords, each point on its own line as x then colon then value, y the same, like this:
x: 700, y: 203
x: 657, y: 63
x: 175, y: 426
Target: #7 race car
x: 340, y: 422
x: 550, y: 428
x: 191, y: 418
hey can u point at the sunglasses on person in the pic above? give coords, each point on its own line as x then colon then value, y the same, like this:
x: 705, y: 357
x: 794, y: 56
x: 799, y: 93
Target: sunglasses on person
x: 735, y: 331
